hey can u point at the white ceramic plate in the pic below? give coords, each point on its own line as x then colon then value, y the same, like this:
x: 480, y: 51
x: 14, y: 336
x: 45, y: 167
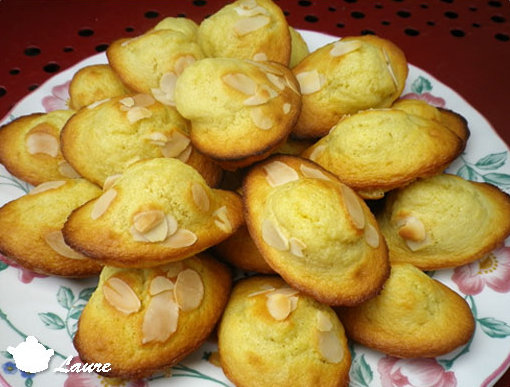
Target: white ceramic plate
x: 48, y: 308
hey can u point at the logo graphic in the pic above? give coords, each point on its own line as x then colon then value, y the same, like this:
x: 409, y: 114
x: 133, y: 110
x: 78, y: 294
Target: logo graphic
x: 31, y: 356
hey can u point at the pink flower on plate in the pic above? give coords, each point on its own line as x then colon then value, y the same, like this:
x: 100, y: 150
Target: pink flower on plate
x: 26, y: 276
x: 492, y: 270
x: 427, y: 97
x: 85, y: 379
x: 58, y: 99
x: 414, y: 373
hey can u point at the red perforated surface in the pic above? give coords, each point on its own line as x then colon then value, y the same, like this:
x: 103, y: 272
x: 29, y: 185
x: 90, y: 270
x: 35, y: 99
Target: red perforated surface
x: 464, y: 43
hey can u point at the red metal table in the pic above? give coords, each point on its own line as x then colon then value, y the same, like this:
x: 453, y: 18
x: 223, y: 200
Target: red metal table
x: 463, y: 43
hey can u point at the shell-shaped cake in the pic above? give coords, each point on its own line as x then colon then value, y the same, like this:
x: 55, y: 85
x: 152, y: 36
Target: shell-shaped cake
x: 103, y: 139
x: 32, y: 225
x: 265, y: 321
x: 247, y: 29
x: 314, y: 231
x: 145, y: 320
x: 375, y: 151
x: 30, y: 147
x: 240, y: 110
x: 150, y: 63
x: 344, y: 77
x: 413, y: 316
x: 444, y: 221
x: 94, y: 83
x: 158, y: 211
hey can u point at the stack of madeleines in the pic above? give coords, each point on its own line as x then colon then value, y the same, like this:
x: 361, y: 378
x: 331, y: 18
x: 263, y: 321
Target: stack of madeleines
x: 202, y: 148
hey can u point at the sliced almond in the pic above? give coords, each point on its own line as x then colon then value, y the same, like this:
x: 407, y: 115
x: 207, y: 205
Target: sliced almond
x: 161, y: 318
x: 47, y: 185
x: 267, y: 289
x: 42, y: 143
x: 276, y: 80
x: 317, y: 151
x: 293, y: 303
x: 137, y: 113
x: 286, y: 291
x: 240, y: 82
x: 127, y: 102
x: 415, y: 246
x: 310, y: 81
x: 102, y: 203
x: 185, y: 154
x: 260, y: 119
x: 324, y: 323
x: 353, y: 206
x: 200, y: 196
x: 342, y: 47
x: 250, y: 10
x: 160, y: 284
x: 189, y: 290
x: 97, y: 103
x: 260, y: 57
x: 110, y: 181
x: 247, y: 4
x: 292, y: 84
x: 175, y: 145
x: 245, y: 26
x: 56, y: 241
x: 412, y: 228
x: 146, y: 220
x: 121, y: 296
x: 181, y: 238
x: 371, y: 236
x: 143, y: 100
x: 167, y: 83
x: 330, y: 347
x: 296, y: 247
x: 259, y: 98
x: 161, y: 96
x: 286, y: 108
x: 182, y: 62
x: 390, y: 68
x: 273, y: 236
x: 221, y: 219
x: 174, y: 268
x: 67, y: 170
x: 156, y: 138
x: 279, y: 173
x: 313, y: 173
x: 279, y: 306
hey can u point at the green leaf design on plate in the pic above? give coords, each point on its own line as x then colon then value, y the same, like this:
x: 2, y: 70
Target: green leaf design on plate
x: 499, y: 179
x: 65, y: 297
x: 466, y: 172
x: 492, y: 161
x: 494, y: 328
x: 75, y: 311
x: 29, y: 382
x: 6, y: 354
x: 14, y: 182
x: 361, y: 374
x: 421, y: 85
x: 3, y: 265
x: 85, y: 294
x: 52, y: 321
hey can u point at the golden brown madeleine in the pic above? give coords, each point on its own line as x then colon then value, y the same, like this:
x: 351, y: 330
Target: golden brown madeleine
x: 347, y: 76
x: 104, y: 138
x: 241, y: 251
x: 247, y: 29
x: 375, y: 151
x: 94, y: 83
x: 444, y: 221
x: 314, y: 231
x: 271, y: 334
x: 240, y: 110
x: 452, y: 120
x: 32, y: 228
x: 30, y: 147
x: 413, y: 316
x: 150, y: 63
x: 145, y: 320
x: 158, y: 211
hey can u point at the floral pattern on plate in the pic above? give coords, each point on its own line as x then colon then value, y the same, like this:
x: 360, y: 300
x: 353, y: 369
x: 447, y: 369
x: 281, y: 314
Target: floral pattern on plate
x: 49, y: 307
